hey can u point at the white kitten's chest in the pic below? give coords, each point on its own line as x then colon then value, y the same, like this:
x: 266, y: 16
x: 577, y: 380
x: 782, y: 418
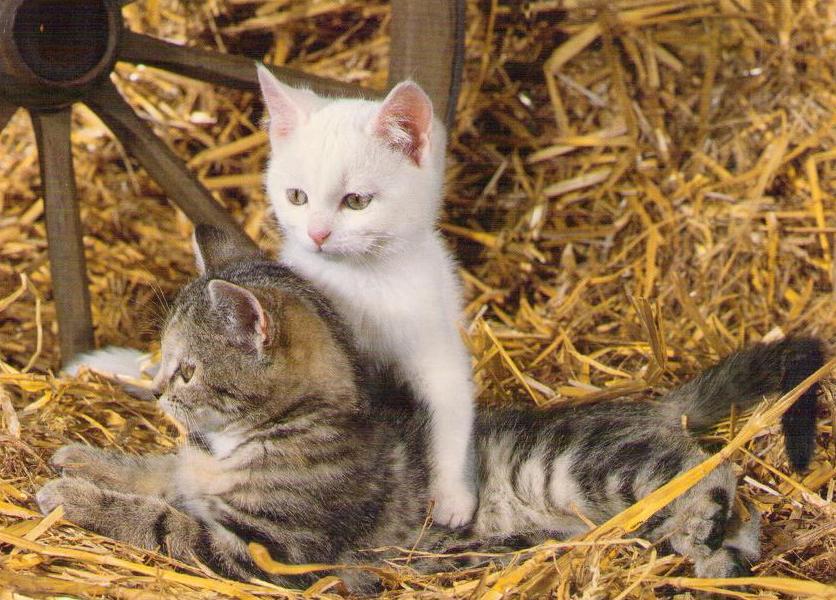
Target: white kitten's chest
x: 381, y: 311
x: 391, y: 306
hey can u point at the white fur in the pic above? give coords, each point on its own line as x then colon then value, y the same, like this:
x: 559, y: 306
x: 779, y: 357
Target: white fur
x: 506, y: 510
x: 385, y: 267
x: 113, y: 360
x: 565, y: 491
x: 222, y: 444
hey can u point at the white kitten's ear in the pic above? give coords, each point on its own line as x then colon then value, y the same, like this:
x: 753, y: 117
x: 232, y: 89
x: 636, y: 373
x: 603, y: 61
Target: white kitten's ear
x: 215, y: 248
x: 287, y: 106
x: 247, y: 325
x: 405, y: 120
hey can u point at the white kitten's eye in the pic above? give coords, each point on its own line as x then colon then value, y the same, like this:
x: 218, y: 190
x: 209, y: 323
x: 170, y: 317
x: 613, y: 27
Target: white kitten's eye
x: 357, y: 201
x: 297, y: 197
x: 185, y: 371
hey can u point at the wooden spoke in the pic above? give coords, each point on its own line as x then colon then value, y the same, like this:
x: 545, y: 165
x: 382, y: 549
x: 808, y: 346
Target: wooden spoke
x: 7, y: 111
x: 63, y: 228
x: 162, y: 164
x: 427, y: 45
x: 221, y: 69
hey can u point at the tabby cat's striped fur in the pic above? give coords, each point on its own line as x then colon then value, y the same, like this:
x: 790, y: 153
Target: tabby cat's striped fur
x: 286, y: 450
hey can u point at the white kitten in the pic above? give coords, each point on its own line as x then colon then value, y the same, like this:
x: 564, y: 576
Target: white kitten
x: 356, y: 187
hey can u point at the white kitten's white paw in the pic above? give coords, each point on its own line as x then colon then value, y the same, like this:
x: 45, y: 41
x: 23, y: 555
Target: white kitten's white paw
x: 454, y: 505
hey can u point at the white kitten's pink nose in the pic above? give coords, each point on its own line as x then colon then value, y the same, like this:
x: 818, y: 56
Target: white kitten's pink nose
x: 319, y: 235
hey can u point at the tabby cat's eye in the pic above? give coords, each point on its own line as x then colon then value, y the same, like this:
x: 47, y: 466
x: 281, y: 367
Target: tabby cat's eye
x: 297, y: 197
x: 357, y: 201
x: 186, y: 371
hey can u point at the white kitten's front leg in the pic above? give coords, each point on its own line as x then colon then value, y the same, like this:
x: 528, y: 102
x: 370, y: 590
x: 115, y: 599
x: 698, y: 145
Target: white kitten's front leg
x: 439, y: 371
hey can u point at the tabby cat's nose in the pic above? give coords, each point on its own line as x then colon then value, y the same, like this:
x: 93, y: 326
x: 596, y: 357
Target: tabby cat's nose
x: 319, y: 235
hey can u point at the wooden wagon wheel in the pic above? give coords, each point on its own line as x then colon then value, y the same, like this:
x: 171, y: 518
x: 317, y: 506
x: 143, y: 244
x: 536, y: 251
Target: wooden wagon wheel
x: 52, y: 56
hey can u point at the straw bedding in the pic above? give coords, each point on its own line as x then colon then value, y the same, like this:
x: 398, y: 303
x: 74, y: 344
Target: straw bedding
x: 635, y: 188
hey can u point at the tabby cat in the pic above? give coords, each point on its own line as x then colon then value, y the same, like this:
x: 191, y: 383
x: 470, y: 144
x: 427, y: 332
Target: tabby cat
x: 286, y: 450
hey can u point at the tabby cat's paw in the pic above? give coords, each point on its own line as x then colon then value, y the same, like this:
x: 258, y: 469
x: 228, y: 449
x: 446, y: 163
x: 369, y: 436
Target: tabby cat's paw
x: 79, y: 498
x: 724, y: 563
x: 705, y: 528
x: 454, y: 505
x: 93, y: 464
x: 73, y: 459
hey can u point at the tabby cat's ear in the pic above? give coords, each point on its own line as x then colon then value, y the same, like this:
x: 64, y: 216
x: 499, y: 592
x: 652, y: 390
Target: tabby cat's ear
x: 214, y: 248
x: 246, y: 324
x: 288, y: 107
x: 404, y: 121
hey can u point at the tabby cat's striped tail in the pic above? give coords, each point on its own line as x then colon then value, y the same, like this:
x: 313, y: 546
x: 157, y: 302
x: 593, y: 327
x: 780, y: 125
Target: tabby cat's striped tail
x: 745, y: 377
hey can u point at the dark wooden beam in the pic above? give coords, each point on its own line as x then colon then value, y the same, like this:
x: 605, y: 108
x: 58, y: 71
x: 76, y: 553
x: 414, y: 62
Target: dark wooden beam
x: 180, y: 184
x: 427, y: 45
x: 223, y: 69
x: 63, y: 229
x: 17, y: 92
x: 7, y: 111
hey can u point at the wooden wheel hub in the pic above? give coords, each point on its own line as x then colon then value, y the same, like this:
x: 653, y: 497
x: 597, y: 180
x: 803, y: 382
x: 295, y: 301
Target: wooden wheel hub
x: 50, y: 44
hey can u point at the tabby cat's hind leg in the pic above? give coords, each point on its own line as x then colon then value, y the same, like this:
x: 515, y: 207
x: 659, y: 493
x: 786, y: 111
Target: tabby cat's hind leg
x: 700, y: 525
x: 740, y: 549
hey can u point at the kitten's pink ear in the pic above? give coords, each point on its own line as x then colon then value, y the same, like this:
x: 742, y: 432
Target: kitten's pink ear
x: 405, y: 120
x: 247, y: 325
x: 288, y: 107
